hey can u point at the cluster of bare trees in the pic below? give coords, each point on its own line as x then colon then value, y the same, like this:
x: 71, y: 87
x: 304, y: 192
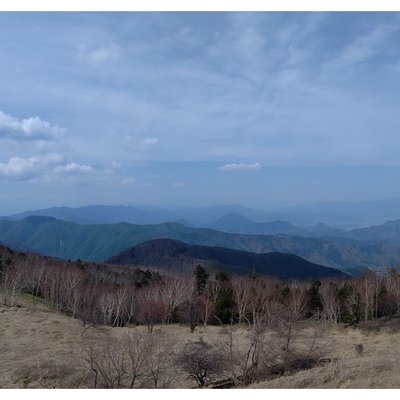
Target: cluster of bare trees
x: 274, y: 314
x: 118, y: 295
x: 137, y: 358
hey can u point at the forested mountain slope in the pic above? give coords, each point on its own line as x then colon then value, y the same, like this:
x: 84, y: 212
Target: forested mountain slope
x: 67, y: 240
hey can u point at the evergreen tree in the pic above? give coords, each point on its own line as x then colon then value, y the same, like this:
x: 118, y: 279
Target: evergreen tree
x: 314, y: 302
x: 225, y: 302
x: 201, y: 276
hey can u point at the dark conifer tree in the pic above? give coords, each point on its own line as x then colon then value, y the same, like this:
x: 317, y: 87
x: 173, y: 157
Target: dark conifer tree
x: 201, y: 276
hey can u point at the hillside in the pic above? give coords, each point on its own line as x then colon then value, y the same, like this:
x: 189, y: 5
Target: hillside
x: 387, y: 232
x: 48, y: 353
x: 236, y: 223
x: 68, y: 240
x: 100, y: 214
x: 178, y: 256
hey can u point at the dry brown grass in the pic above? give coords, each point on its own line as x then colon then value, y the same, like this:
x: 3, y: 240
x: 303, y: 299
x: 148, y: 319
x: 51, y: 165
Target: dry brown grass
x: 377, y: 367
x: 43, y: 348
x: 35, y: 345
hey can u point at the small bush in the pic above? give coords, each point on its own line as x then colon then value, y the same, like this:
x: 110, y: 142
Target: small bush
x: 201, y: 362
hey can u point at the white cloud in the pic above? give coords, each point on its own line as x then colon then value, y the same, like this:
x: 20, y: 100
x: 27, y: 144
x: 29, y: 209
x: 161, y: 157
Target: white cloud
x: 24, y: 167
x: 150, y: 141
x: 240, y: 167
x: 73, y: 168
x: 17, y: 166
x: 28, y: 129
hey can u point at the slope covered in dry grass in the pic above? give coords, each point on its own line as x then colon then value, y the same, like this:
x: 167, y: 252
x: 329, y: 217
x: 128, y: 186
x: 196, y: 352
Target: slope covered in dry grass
x: 377, y: 367
x: 43, y: 348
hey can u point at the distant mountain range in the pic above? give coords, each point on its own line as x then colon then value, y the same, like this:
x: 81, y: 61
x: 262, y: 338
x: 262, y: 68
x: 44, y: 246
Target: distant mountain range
x: 337, y: 214
x: 232, y: 222
x: 178, y: 256
x: 67, y: 240
x: 237, y: 223
x: 99, y: 214
x: 366, y: 212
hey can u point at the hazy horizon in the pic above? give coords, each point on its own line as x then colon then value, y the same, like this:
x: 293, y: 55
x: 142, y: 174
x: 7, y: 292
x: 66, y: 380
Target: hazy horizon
x: 264, y: 110
x: 366, y: 213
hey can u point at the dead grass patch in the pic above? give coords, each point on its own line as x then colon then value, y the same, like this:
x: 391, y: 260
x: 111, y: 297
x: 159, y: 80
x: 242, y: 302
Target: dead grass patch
x: 41, y: 348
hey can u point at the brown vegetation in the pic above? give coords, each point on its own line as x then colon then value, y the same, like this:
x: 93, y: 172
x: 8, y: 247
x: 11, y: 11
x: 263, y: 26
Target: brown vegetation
x: 120, y: 325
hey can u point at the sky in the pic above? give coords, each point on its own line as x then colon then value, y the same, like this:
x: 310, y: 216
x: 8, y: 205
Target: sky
x: 185, y: 109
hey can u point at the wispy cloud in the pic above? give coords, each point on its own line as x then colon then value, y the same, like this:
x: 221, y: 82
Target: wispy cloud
x: 150, y: 141
x: 128, y: 181
x: 363, y: 48
x: 100, y: 54
x: 178, y: 184
x: 240, y: 167
x: 143, y: 94
x: 74, y: 168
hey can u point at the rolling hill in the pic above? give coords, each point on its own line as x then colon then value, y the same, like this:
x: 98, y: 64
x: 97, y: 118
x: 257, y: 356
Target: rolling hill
x: 387, y: 232
x: 68, y: 240
x: 178, y: 256
x: 236, y: 223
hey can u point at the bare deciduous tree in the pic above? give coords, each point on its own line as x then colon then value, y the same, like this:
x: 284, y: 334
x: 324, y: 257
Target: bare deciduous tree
x: 136, y: 345
x: 13, y: 282
x: 246, y: 358
x: 201, y: 362
x: 151, y: 307
x: 330, y: 302
x: 174, y: 291
x: 241, y: 289
x: 107, y: 362
x: 160, y: 356
x: 292, y: 312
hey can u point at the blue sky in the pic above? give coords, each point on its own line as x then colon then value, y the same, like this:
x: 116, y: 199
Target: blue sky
x: 259, y: 109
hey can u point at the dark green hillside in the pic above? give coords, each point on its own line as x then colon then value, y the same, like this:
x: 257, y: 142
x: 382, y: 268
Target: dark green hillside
x: 178, y: 256
x: 99, y: 242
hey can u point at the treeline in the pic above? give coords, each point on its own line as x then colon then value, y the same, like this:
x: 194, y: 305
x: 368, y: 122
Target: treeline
x: 121, y: 295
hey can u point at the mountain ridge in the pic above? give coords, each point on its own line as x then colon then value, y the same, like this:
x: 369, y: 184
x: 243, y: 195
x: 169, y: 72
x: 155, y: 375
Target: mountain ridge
x: 338, y: 214
x: 233, y: 219
x: 96, y: 243
x: 179, y: 256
